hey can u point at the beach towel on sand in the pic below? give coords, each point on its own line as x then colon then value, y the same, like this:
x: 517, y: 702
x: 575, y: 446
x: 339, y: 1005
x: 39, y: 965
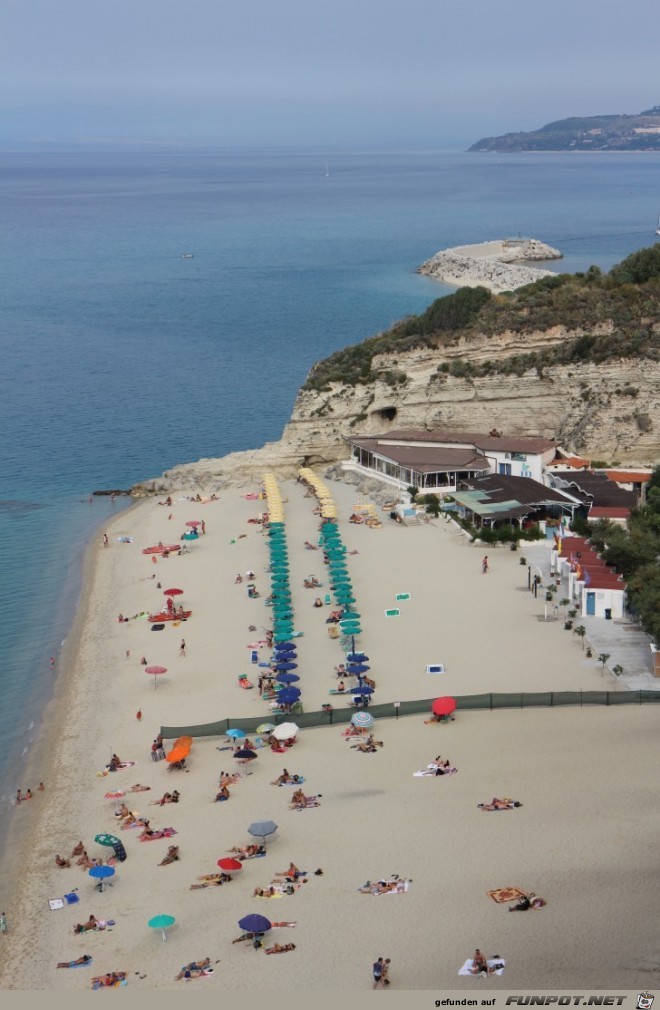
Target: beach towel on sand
x: 430, y: 771
x: 506, y: 894
x: 124, y: 764
x: 465, y: 970
x: 165, y: 833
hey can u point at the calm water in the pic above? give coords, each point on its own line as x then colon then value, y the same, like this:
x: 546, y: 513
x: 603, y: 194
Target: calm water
x: 121, y: 359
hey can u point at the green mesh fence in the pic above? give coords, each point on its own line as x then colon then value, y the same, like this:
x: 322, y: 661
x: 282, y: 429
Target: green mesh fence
x: 392, y: 710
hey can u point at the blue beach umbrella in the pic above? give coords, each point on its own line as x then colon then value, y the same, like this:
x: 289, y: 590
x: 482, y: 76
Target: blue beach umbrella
x: 357, y: 669
x: 286, y: 665
x: 285, y: 646
x: 363, y: 720
x: 255, y: 923
x: 356, y: 657
x: 162, y: 922
x: 101, y: 873
x: 236, y: 734
x: 362, y: 689
x: 288, y: 695
x: 287, y: 678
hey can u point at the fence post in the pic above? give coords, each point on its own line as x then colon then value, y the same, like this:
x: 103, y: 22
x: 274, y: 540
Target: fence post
x: 580, y: 697
x: 491, y: 702
x: 522, y: 700
x: 607, y: 695
x: 552, y: 699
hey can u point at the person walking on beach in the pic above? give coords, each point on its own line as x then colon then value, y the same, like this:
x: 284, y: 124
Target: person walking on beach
x: 386, y: 971
x: 182, y: 647
x: 377, y: 972
x: 3, y: 922
x: 106, y: 542
x: 484, y: 565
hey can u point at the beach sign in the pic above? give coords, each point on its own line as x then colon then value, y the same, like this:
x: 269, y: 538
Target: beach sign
x: 402, y: 596
x: 392, y: 613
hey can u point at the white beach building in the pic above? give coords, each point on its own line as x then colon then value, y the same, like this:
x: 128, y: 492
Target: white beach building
x: 439, y: 461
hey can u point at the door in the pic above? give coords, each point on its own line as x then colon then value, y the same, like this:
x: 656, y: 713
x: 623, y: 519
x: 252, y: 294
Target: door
x: 591, y: 604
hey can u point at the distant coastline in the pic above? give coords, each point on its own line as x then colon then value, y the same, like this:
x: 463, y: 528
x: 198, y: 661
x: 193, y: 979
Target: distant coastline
x: 594, y: 134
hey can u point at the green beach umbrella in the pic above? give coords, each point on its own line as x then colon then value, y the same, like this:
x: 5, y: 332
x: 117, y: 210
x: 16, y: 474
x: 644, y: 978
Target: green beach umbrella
x: 162, y: 922
x: 104, y: 839
x: 353, y: 615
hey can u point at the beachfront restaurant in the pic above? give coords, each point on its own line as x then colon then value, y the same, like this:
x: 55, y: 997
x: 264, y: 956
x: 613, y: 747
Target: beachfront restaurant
x: 434, y: 469
x: 500, y: 500
x: 441, y: 461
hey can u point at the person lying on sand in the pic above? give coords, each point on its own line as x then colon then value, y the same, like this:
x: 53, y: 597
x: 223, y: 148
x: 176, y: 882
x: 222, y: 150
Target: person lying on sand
x: 137, y: 788
x: 248, y: 851
x: 85, y: 927
x: 171, y: 857
x: 85, y: 959
x: 112, y: 978
x: 300, y: 800
x: 282, y: 779
x: 497, y: 804
x: 264, y: 892
x: 279, y: 949
x: 194, y: 966
x: 527, y: 901
x: 380, y: 887
x: 62, y: 863
x: 166, y: 798
x: 211, y: 880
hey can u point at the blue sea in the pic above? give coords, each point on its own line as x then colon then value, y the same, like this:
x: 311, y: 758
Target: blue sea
x: 120, y: 358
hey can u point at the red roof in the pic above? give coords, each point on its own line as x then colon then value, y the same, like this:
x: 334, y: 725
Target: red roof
x: 575, y: 461
x: 606, y: 512
x: 628, y: 476
x: 601, y: 576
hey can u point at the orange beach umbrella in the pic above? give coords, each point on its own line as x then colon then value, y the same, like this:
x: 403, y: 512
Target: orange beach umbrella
x: 180, y: 750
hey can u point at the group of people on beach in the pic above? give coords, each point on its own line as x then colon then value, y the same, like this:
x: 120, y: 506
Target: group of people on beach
x: 28, y: 795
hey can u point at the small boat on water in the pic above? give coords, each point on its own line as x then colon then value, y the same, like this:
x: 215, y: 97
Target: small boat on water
x: 657, y: 230
x: 187, y: 256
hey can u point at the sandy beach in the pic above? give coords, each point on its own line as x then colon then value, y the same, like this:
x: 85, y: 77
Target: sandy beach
x: 583, y: 838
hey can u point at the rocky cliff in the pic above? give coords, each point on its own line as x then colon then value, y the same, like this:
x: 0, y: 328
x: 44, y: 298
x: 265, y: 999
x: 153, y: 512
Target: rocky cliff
x: 608, y: 411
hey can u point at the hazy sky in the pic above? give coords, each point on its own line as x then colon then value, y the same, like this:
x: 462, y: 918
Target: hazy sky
x: 388, y: 73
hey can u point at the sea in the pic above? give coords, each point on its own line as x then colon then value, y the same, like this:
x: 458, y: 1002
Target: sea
x: 121, y: 358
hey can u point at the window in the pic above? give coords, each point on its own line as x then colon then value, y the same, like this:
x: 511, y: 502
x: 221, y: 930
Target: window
x: 505, y: 468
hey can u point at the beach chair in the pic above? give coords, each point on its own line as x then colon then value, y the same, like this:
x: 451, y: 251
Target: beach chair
x: 327, y: 599
x: 333, y: 631
x: 244, y: 681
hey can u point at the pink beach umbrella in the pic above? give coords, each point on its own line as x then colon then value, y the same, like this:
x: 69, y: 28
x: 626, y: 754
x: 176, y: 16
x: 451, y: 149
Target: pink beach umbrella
x: 194, y: 523
x: 230, y: 865
x: 154, y: 671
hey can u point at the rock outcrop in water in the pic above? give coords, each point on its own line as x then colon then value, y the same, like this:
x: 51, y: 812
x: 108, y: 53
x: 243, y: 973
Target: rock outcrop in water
x: 498, y: 266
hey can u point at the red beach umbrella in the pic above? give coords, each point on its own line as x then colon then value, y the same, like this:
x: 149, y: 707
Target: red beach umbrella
x: 230, y: 865
x: 154, y: 671
x: 173, y: 592
x: 194, y: 522
x: 443, y: 706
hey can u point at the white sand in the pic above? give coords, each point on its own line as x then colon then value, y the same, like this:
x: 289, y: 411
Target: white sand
x: 584, y: 838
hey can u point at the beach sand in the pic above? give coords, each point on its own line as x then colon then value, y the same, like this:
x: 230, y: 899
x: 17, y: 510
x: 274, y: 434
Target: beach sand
x: 584, y: 838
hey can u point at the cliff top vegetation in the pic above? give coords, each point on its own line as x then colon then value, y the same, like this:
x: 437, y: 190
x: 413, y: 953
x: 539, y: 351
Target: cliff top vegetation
x: 606, y: 316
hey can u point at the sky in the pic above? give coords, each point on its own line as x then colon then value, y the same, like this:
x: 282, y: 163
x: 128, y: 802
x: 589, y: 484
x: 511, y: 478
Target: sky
x: 394, y: 74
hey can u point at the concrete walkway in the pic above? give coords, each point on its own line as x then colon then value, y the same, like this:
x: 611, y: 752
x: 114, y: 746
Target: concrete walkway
x: 626, y: 643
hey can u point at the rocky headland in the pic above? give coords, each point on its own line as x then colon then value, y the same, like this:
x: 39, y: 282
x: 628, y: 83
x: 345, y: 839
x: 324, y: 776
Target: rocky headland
x: 575, y: 357
x: 498, y: 266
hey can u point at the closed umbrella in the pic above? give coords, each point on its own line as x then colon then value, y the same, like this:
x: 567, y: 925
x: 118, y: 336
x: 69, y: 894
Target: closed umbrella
x: 255, y: 923
x: 162, y: 922
x: 101, y: 873
x: 230, y: 865
x: 262, y: 829
x: 363, y: 720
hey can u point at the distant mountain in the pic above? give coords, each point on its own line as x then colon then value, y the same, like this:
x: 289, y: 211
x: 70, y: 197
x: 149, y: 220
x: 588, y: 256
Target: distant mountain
x: 639, y: 132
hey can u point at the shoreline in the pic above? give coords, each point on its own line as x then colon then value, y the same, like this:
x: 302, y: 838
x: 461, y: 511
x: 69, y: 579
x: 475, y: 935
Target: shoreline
x: 93, y: 714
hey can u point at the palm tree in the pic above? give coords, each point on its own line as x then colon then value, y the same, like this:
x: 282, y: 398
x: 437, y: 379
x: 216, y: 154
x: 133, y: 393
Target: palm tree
x: 580, y: 631
x: 564, y: 603
x: 603, y: 658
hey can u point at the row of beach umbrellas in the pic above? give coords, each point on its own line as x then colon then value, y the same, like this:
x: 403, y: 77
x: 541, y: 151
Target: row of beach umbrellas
x: 279, y: 562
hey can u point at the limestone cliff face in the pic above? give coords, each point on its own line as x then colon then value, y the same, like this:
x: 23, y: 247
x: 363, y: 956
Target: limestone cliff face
x: 609, y: 411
